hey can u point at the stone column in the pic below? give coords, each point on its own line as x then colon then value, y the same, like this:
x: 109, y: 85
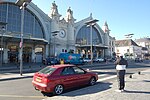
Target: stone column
x: 33, y: 54
x: 47, y: 48
x: 5, y: 55
x: 86, y: 53
x: 97, y: 53
x: 103, y: 53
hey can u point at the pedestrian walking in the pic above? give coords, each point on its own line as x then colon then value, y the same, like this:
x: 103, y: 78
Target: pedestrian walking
x: 61, y: 61
x: 121, y: 65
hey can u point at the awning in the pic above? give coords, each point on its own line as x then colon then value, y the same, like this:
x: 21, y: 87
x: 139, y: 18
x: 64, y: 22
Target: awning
x: 10, y: 38
x: 87, y: 46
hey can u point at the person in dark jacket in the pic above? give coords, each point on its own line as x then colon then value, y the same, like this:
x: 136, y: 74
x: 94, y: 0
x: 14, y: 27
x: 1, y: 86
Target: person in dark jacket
x: 121, y: 65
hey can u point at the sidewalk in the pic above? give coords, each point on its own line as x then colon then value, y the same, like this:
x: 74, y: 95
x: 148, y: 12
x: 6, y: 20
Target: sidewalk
x: 137, y: 88
x: 16, y: 66
x: 12, y: 71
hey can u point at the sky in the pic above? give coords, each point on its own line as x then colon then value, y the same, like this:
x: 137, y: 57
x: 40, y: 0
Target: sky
x: 123, y: 16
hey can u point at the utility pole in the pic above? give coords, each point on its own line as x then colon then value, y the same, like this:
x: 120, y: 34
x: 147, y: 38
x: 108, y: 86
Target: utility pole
x: 2, y: 29
x: 22, y: 4
x: 91, y: 23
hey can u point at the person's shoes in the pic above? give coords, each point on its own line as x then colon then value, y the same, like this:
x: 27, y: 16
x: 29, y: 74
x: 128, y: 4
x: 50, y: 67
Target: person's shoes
x: 118, y: 90
x: 122, y: 90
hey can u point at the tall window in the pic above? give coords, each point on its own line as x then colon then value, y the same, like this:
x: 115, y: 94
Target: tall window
x: 83, y: 36
x: 11, y: 14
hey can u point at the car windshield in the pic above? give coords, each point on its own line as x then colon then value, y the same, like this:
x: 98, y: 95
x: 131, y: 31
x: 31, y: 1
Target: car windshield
x: 47, y: 70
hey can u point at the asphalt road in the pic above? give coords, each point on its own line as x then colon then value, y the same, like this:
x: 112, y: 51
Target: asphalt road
x: 22, y: 89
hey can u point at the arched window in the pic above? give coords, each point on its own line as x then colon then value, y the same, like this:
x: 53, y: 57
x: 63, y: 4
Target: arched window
x: 11, y: 14
x: 83, y: 36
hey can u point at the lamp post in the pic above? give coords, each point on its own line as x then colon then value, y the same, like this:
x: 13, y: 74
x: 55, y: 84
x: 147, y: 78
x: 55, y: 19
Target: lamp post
x: 2, y: 28
x: 54, y: 33
x: 22, y: 4
x: 91, y: 23
x: 129, y: 35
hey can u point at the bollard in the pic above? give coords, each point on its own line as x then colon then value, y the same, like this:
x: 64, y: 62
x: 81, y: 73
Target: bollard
x: 139, y: 72
x: 130, y: 76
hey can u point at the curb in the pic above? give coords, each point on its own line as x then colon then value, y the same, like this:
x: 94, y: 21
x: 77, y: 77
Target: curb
x: 17, y: 76
x: 6, y: 79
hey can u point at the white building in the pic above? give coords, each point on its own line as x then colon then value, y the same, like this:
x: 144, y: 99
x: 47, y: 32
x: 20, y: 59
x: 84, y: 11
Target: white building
x: 145, y: 44
x: 128, y: 48
x: 48, y: 35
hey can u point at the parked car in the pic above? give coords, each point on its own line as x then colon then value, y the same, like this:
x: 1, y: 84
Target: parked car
x: 86, y: 60
x: 51, y: 61
x: 112, y: 59
x: 57, y: 78
x: 99, y: 60
x: 138, y: 60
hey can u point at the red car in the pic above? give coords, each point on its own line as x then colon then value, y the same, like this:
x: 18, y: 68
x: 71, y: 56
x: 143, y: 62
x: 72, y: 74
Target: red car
x: 57, y: 78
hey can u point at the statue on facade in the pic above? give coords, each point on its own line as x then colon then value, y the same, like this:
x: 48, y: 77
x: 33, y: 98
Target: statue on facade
x: 105, y: 27
x: 69, y: 14
x: 54, y: 10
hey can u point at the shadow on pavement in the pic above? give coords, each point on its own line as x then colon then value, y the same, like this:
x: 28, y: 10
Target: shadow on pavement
x: 100, y: 86
x: 146, y: 81
x: 145, y: 92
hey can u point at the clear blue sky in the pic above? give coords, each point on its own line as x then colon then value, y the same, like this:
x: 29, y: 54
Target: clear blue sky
x: 122, y: 16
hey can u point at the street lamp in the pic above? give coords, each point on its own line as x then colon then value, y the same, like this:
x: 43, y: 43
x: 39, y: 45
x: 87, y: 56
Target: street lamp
x: 22, y: 4
x: 129, y: 35
x: 54, y: 34
x: 2, y: 28
x: 91, y: 23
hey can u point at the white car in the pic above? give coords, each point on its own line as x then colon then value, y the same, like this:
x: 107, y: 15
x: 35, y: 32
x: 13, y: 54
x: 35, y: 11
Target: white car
x: 99, y: 60
x: 86, y: 60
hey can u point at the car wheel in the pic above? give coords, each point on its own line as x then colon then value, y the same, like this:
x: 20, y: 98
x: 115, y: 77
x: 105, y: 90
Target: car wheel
x: 58, y: 89
x: 92, y: 81
x: 36, y: 88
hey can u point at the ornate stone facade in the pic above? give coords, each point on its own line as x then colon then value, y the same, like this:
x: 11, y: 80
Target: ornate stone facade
x: 49, y: 35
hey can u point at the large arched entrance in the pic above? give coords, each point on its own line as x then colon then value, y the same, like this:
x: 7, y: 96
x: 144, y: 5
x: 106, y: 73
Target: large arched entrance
x: 27, y: 53
x: 39, y: 53
x: 13, y: 53
x: 33, y: 33
x: 83, y: 42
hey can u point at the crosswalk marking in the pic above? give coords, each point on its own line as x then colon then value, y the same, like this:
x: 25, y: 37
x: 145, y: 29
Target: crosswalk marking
x: 106, y: 78
x: 102, y: 75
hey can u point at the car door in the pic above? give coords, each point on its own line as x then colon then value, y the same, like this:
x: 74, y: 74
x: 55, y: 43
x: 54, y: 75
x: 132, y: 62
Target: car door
x: 83, y: 78
x: 68, y: 77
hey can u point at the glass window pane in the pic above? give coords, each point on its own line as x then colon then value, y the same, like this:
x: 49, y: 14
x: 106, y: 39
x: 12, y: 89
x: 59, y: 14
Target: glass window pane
x: 14, y: 20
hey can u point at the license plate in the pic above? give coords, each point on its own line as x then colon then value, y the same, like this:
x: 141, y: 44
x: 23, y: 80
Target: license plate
x: 38, y: 79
